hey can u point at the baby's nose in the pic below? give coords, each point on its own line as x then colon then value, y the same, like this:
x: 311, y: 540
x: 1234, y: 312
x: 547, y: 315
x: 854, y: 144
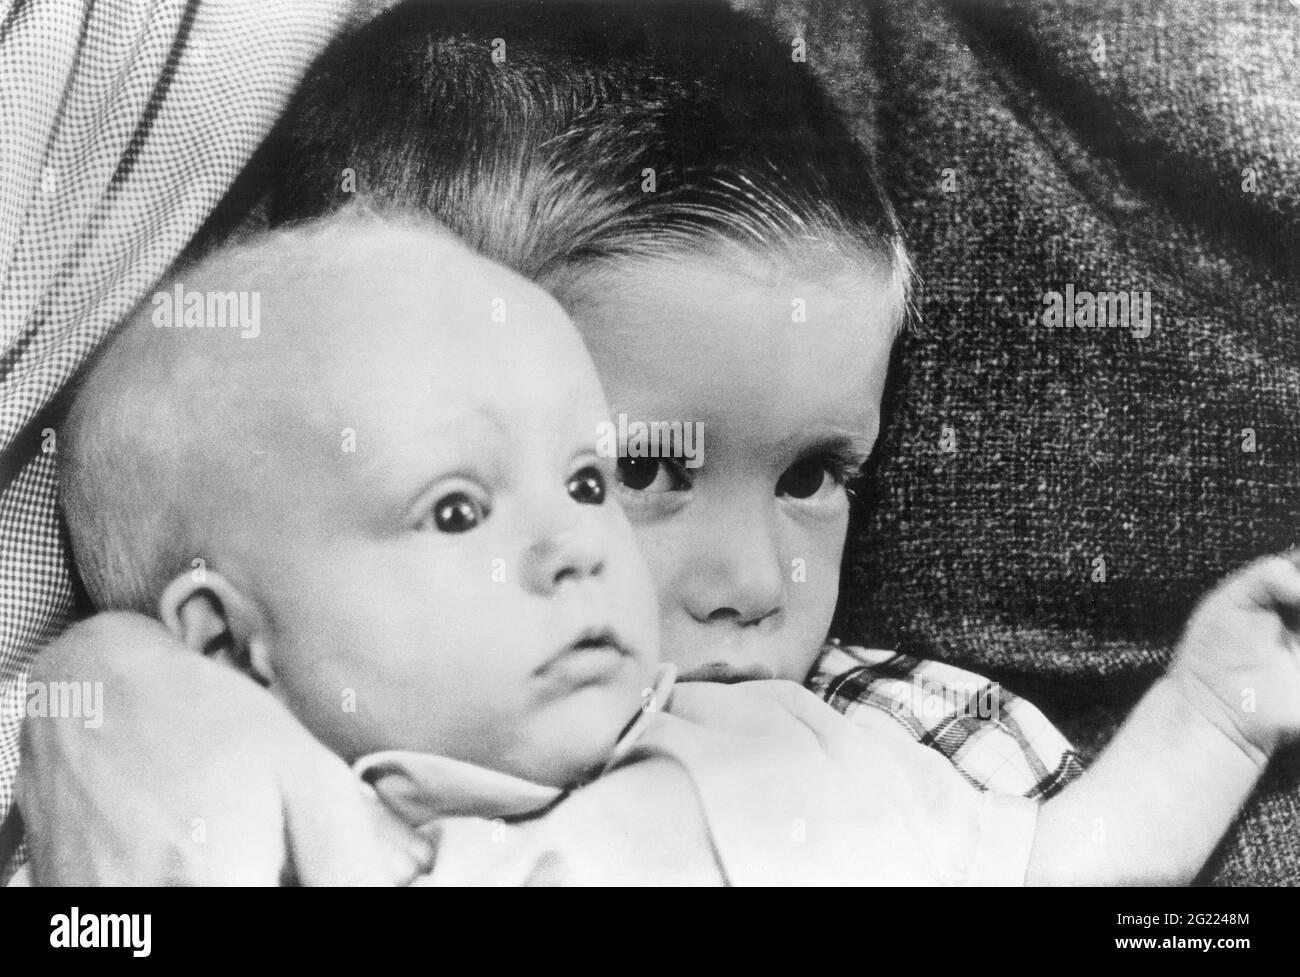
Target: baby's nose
x: 572, y: 556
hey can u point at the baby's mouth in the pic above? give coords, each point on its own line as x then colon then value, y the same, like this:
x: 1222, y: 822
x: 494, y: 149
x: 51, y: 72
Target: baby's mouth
x: 590, y: 657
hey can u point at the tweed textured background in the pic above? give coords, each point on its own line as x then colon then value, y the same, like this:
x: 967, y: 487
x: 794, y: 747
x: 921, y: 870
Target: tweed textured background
x: 1112, y: 145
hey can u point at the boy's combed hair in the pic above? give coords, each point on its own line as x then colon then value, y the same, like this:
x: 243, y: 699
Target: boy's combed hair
x: 552, y: 134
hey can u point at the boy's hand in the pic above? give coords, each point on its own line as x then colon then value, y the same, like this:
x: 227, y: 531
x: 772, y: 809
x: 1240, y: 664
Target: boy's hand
x: 1239, y: 660
x: 193, y: 775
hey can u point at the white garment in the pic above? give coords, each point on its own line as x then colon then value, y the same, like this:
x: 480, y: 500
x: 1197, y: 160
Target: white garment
x: 790, y: 794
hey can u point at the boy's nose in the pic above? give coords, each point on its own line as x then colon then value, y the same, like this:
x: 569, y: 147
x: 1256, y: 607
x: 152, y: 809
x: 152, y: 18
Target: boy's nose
x: 738, y: 576
x: 571, y: 555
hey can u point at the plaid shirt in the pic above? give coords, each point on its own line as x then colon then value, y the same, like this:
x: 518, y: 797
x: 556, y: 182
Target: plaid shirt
x: 996, y: 740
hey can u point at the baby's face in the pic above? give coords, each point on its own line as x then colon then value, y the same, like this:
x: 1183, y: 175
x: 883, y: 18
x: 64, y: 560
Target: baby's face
x: 786, y: 371
x: 440, y: 560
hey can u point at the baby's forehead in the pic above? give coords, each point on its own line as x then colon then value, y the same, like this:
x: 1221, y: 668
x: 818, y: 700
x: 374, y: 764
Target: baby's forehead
x: 381, y: 289
x: 359, y: 319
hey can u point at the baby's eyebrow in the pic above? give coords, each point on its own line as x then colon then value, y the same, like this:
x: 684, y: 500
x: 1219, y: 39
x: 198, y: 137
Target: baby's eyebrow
x: 438, y: 445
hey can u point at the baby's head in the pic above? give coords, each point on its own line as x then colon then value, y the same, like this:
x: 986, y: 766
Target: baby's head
x: 386, y: 505
x: 687, y: 191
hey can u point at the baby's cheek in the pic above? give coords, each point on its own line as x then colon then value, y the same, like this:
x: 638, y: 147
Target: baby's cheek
x: 326, y: 703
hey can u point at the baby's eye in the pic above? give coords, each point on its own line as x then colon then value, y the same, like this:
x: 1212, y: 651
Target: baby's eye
x: 814, y: 475
x: 456, y: 512
x: 650, y: 475
x: 587, y: 487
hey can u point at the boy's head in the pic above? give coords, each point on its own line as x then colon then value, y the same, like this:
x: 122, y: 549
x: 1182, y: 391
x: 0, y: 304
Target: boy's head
x: 682, y: 184
x: 386, y: 505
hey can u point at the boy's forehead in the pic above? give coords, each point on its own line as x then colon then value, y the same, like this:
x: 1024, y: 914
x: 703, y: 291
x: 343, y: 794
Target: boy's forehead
x: 864, y: 290
x: 768, y: 358
x: 700, y: 322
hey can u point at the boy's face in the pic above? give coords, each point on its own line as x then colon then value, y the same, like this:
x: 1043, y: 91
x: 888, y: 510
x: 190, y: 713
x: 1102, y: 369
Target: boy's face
x: 440, y: 559
x: 786, y: 371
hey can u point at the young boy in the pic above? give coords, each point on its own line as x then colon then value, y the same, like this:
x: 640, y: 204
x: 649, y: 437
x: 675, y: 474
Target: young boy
x: 459, y: 607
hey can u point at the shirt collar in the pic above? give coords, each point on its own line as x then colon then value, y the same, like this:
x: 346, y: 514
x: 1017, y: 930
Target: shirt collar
x: 424, y: 786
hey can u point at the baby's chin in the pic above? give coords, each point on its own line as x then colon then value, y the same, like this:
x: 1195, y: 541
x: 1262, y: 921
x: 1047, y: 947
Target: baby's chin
x: 572, y: 741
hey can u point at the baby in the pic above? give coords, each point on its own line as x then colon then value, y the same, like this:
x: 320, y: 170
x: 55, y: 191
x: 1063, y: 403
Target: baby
x: 387, y: 507
x: 394, y: 505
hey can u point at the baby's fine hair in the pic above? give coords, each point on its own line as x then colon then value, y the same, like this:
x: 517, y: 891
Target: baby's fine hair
x: 549, y: 135
x: 158, y: 421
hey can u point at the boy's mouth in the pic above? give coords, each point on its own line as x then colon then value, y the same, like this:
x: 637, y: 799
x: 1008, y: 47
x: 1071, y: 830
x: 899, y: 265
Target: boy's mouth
x: 726, y: 674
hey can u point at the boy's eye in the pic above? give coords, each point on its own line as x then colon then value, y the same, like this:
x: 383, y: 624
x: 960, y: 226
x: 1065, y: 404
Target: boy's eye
x: 457, y: 513
x: 650, y: 475
x: 816, y: 474
x: 802, y: 479
x: 587, y: 487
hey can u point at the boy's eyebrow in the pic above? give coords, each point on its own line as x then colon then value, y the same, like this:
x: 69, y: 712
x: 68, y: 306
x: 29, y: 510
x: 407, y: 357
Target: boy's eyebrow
x: 854, y: 445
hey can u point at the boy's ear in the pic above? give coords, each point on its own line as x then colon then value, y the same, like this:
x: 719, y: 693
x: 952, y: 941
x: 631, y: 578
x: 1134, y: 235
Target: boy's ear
x: 214, y: 618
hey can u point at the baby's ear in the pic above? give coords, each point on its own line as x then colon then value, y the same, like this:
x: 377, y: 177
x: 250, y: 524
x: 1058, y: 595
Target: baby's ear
x: 210, y: 616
